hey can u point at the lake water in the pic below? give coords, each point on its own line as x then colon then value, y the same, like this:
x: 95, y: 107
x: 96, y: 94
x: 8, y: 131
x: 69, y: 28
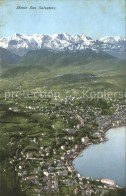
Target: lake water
x: 106, y: 159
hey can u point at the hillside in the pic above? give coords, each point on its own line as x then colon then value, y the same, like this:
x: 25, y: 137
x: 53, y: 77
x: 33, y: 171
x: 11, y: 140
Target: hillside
x: 68, y: 70
x: 48, y: 58
x: 7, y: 58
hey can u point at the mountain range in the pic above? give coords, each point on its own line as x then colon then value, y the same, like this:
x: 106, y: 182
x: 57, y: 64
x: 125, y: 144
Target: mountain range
x: 20, y: 44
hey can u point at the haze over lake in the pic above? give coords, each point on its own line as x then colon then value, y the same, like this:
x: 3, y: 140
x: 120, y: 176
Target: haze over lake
x: 106, y: 159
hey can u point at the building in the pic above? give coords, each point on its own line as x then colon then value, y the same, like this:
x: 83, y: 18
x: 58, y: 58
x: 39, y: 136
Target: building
x: 28, y: 156
x: 63, y: 147
x: 76, y: 146
x: 107, y: 181
x: 14, y: 109
x: 84, y: 140
x: 71, y: 138
x: 97, y: 135
x: 64, y: 157
x: 70, y: 131
x: 76, y: 191
x: 45, y: 172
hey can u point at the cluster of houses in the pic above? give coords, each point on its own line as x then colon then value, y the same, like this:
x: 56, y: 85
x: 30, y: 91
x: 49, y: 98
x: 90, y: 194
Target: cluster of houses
x: 48, y: 177
x: 115, y: 120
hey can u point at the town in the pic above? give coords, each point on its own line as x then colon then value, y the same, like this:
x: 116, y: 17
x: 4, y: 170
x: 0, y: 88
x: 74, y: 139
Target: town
x: 53, y: 134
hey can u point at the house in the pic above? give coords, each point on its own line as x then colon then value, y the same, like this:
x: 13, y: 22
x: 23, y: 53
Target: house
x: 21, y: 166
x: 76, y: 191
x: 41, y: 147
x: 63, y: 147
x: 54, y: 151
x: 14, y: 109
x: 76, y: 146
x: 21, y: 174
x: 64, y: 156
x: 71, y: 138
x: 33, y: 179
x: 97, y: 135
x: 44, y: 164
x: 35, y: 170
x: 48, y: 149
x: 33, y: 140
x: 84, y: 140
x: 45, y: 172
x: 107, y: 181
x: 79, y: 126
x: 72, y: 150
x: 62, y: 173
x: 78, y: 117
x: 78, y: 175
x: 28, y: 156
x: 61, y: 164
x: 70, y: 131
x: 89, y: 191
x: 47, y: 154
x: 68, y: 151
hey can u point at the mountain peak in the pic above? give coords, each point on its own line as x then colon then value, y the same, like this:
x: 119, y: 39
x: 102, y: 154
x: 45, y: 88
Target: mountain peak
x: 112, y: 39
x: 17, y: 35
x: 84, y: 37
x: 21, y: 44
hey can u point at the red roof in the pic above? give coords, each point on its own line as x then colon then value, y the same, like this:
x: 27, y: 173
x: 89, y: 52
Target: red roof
x: 63, y: 155
x: 108, y: 180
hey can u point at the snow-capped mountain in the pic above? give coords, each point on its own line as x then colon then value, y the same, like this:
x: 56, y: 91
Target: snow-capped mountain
x: 21, y: 44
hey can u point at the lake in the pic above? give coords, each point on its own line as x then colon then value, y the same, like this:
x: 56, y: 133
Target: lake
x: 106, y: 159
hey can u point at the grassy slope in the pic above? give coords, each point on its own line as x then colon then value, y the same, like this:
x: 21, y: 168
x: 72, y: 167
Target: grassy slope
x: 110, y: 74
x: 7, y: 59
x: 66, y: 71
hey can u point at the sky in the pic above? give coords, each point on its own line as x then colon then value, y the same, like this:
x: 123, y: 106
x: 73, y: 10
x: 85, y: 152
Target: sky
x: 94, y: 18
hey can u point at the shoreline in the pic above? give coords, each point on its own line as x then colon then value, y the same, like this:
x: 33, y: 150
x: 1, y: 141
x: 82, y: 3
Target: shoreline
x: 83, y: 147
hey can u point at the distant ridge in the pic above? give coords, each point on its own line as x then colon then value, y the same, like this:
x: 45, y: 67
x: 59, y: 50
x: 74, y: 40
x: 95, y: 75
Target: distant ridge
x: 21, y: 44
